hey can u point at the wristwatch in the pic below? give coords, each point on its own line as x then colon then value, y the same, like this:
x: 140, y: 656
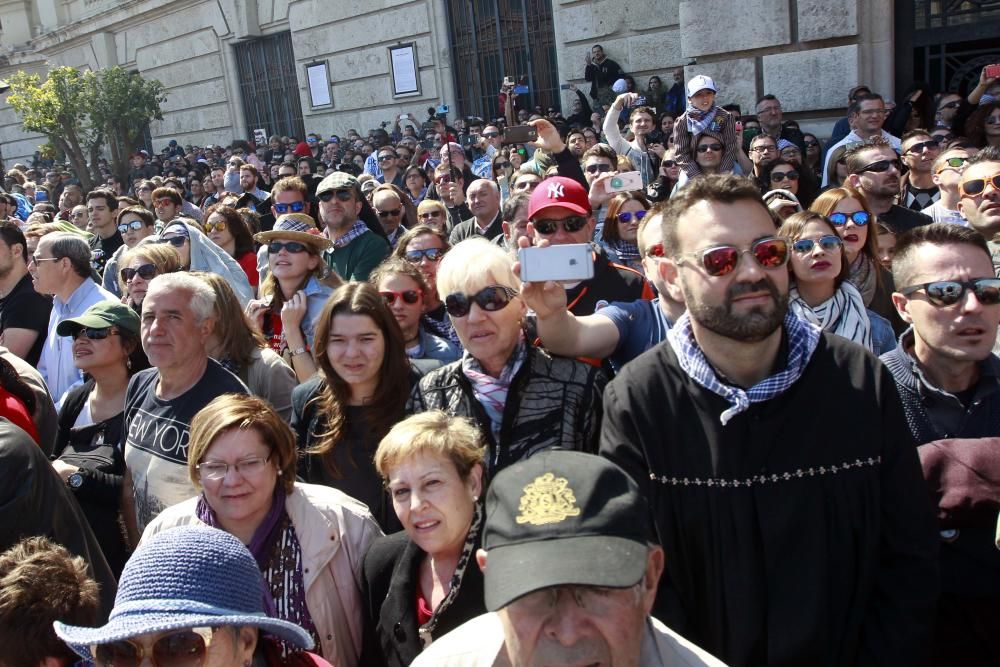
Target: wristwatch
x: 297, y: 351
x: 75, y: 481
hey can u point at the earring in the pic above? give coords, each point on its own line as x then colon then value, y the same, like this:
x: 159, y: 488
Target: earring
x: 475, y: 499
x: 280, y: 473
x: 128, y: 363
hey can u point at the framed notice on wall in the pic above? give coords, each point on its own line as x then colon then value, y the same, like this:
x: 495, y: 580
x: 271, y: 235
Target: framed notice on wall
x: 405, y: 77
x: 318, y: 76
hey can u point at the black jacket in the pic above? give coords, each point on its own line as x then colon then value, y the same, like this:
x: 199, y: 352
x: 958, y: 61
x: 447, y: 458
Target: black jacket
x: 391, y: 572
x: 602, y: 75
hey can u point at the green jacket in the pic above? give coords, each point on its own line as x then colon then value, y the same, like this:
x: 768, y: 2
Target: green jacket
x: 357, y: 259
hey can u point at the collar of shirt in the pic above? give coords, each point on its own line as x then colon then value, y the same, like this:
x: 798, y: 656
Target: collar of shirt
x: 356, y: 230
x: 989, y: 373
x: 71, y: 307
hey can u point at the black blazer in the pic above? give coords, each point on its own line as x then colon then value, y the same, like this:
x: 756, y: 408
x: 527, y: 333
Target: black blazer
x: 389, y: 595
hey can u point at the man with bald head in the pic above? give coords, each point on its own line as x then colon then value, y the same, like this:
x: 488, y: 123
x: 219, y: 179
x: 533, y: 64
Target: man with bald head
x: 389, y: 208
x: 483, y: 197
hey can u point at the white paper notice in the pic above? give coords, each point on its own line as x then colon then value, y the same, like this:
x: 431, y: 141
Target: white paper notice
x: 404, y: 70
x: 319, y: 86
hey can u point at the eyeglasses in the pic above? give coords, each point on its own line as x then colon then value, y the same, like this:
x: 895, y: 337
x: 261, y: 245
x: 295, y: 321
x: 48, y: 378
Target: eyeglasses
x: 135, y: 225
x: 597, y: 168
x: 859, y: 218
x: 571, y: 225
x: 215, y: 226
x: 882, y: 166
x: 389, y: 214
x: 429, y: 214
x: 175, y: 241
x: 764, y: 149
x: 714, y: 147
x: 94, y: 334
x: 775, y: 109
x: 949, y: 292
x: 146, y: 272
x: 294, y: 207
x: 410, y: 296
x: 387, y: 157
x: 431, y: 254
x: 491, y: 135
x: 777, y: 176
x: 930, y: 145
x: 490, y: 299
x: 873, y: 112
x: 38, y: 260
x: 953, y: 163
x: 770, y: 253
x: 828, y: 243
x: 341, y: 195
x: 294, y: 247
x: 215, y: 470
x: 976, y: 186
x: 182, y: 648
x: 627, y: 216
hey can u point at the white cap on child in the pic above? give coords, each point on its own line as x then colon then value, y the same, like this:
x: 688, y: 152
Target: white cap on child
x: 699, y: 83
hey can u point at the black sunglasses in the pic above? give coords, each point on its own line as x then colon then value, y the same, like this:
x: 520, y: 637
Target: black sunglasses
x: 976, y: 186
x: 930, y: 144
x: 597, y: 168
x: 342, y: 195
x: 882, y: 166
x: 571, y: 225
x: 949, y: 292
x: 714, y: 147
x: 783, y: 175
x: 432, y: 254
x: 387, y: 157
x: 294, y: 247
x: 94, y: 334
x: 490, y: 299
x: 146, y: 272
x: 389, y: 214
x: 175, y: 241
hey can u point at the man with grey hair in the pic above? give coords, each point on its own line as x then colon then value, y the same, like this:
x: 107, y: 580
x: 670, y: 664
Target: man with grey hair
x: 484, y: 202
x: 514, y: 216
x: 60, y: 266
x: 177, y: 322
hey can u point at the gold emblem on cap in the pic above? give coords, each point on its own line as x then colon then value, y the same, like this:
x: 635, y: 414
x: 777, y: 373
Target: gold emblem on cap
x: 547, y: 500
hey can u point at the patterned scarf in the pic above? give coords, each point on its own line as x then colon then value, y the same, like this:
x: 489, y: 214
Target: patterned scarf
x: 802, y: 340
x: 842, y: 314
x: 626, y: 251
x: 862, y: 276
x: 697, y: 120
x: 491, y: 392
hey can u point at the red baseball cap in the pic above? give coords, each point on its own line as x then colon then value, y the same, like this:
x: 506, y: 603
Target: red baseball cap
x: 559, y: 192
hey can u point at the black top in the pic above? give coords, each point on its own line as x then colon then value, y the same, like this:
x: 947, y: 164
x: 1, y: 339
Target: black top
x: 795, y: 535
x: 611, y: 282
x: 101, y: 250
x: 901, y: 219
x: 24, y: 308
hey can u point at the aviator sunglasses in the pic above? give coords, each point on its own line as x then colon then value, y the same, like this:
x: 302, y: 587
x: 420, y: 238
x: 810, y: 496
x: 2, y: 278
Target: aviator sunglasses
x: 182, y: 648
x: 770, y: 253
x: 829, y: 243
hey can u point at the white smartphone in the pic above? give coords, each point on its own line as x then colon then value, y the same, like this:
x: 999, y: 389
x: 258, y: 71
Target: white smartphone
x: 625, y: 182
x: 572, y: 262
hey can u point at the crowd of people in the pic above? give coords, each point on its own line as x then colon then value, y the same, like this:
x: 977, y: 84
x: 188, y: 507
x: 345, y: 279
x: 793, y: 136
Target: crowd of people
x: 293, y: 404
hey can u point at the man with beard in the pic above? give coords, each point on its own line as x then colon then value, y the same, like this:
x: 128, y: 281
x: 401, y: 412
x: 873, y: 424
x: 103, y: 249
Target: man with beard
x: 795, y: 535
x: 874, y: 168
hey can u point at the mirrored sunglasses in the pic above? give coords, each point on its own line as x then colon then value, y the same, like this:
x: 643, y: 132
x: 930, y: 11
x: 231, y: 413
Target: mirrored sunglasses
x: 829, y: 243
x: 627, y: 216
x: 182, y: 648
x: 432, y: 254
x: 769, y: 253
x: 943, y: 293
x: 294, y: 207
x: 859, y: 218
x: 135, y: 225
x: 215, y: 227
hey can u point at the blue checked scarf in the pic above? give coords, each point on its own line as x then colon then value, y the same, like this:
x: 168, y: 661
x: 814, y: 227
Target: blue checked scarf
x: 697, y: 120
x: 802, y: 340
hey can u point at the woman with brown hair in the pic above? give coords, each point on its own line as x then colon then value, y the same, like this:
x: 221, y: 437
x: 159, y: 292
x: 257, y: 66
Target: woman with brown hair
x: 227, y: 229
x: 424, y: 247
x: 358, y: 394
x: 621, y: 225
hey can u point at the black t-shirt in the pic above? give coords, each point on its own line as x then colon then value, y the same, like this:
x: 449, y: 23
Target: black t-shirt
x: 901, y: 219
x: 157, y: 433
x: 24, y: 308
x: 101, y: 250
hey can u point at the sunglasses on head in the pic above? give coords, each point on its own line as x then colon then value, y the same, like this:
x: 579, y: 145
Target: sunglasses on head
x: 882, y: 166
x: 181, y: 648
x: 294, y: 247
x: 389, y: 214
x: 94, y: 334
x: 490, y: 299
x: 976, y: 186
x: 215, y: 226
x: 828, y: 243
x: 135, y: 225
x: 410, y: 296
x: 943, y: 293
x: 146, y: 272
x: 714, y: 147
x: 432, y: 254
x: 627, y: 216
x: 769, y: 253
x: 175, y: 241
x: 294, y: 207
x: 342, y: 195
x: 859, y: 218
x: 597, y: 168
x: 784, y: 175
x: 571, y: 225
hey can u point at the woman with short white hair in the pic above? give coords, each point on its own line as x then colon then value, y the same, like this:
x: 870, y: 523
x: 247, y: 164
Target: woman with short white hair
x: 522, y: 399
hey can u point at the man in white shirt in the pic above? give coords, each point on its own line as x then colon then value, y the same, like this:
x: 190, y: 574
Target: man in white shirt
x: 865, y: 115
x: 947, y: 172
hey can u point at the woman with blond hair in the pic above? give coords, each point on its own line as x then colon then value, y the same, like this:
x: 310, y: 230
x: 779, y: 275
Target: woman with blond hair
x: 140, y: 265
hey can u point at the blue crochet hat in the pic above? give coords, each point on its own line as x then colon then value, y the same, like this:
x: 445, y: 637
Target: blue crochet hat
x: 185, y: 577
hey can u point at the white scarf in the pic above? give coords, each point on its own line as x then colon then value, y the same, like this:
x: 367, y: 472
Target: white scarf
x: 842, y: 314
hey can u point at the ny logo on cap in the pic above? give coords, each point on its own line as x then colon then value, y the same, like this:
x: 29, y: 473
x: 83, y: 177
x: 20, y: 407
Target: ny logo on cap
x: 547, y: 500
x: 556, y: 191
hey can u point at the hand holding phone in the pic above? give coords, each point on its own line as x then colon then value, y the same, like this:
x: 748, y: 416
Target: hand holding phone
x: 519, y: 134
x: 569, y: 262
x: 992, y: 71
x: 625, y: 182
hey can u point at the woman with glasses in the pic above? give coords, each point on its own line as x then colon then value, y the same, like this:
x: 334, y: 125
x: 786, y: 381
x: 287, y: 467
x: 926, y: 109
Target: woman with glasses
x: 780, y: 175
x: 433, y: 213
x: 416, y: 183
x: 107, y: 349
x: 501, y: 166
x: 850, y: 214
x: 144, y: 192
x: 226, y: 228
x: 307, y: 540
x: 142, y: 264
x: 522, y: 399
x: 814, y: 153
x: 670, y: 171
x: 401, y: 283
x: 425, y: 246
x: 621, y: 225
x: 821, y: 292
x: 292, y: 294
x: 358, y: 394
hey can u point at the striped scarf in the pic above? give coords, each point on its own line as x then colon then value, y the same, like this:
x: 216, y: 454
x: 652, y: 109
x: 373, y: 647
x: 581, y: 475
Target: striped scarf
x: 802, y: 340
x: 842, y: 314
x: 491, y: 392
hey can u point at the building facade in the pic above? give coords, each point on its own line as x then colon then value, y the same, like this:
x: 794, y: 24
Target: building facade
x: 291, y: 66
